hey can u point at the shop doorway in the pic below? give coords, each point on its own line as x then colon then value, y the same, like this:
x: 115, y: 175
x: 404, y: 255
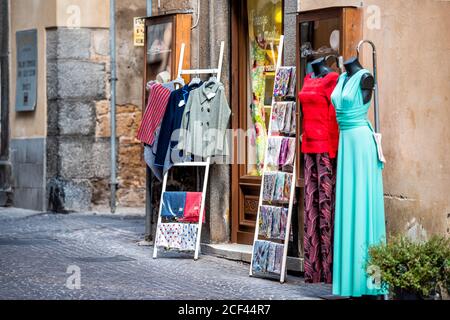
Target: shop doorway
x: 256, y: 27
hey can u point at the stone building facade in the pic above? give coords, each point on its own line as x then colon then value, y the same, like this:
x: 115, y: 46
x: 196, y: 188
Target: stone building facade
x: 60, y: 154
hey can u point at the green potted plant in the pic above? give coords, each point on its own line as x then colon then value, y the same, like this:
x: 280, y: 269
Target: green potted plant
x: 412, y: 270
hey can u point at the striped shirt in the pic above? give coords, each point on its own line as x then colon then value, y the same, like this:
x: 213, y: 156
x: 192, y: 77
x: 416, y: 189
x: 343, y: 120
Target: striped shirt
x: 154, y: 113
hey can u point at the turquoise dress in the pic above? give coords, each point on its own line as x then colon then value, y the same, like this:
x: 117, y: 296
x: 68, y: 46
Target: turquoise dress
x: 359, y: 213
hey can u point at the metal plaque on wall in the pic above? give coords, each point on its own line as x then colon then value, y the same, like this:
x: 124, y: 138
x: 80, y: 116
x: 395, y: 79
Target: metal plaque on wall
x: 26, y: 83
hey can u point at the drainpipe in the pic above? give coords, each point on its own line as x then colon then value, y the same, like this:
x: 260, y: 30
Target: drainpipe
x: 149, y: 8
x: 112, y: 46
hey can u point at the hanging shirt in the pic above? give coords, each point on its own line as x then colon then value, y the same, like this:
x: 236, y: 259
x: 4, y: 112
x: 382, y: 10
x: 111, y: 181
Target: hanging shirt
x: 153, y: 115
x: 320, y: 129
x: 171, y: 123
x: 205, y: 121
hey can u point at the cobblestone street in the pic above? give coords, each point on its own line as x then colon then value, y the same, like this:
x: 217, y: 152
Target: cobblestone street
x: 36, y: 251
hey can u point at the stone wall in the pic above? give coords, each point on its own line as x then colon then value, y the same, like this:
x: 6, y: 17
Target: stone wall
x: 77, y: 78
x: 130, y: 69
x: 79, y: 115
x: 414, y: 111
x: 131, y: 168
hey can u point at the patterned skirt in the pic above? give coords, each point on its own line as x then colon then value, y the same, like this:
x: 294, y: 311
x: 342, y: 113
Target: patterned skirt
x: 320, y: 182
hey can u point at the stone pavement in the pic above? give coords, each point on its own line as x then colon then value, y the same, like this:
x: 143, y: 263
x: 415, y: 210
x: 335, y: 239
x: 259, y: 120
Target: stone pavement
x: 37, y: 250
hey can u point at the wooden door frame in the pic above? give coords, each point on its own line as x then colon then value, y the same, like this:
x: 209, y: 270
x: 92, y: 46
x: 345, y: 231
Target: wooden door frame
x: 239, y: 97
x: 240, y: 105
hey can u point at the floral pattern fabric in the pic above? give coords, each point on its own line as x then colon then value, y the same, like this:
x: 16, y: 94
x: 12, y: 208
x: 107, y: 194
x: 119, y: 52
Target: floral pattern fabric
x: 179, y: 236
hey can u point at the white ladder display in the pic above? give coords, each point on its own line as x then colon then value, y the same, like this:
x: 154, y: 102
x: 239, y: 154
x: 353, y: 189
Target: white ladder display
x: 292, y: 189
x: 206, y: 164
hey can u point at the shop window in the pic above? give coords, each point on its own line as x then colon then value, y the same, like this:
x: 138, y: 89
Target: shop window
x: 265, y: 26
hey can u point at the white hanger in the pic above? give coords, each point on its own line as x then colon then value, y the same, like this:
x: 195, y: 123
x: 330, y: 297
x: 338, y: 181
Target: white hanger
x: 179, y: 81
x: 195, y: 80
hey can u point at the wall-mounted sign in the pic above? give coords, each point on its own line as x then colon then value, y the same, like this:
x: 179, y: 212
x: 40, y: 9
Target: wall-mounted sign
x: 26, y: 83
x: 139, y: 32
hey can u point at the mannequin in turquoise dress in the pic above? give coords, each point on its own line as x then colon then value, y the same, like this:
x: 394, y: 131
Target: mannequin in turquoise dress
x: 359, y: 211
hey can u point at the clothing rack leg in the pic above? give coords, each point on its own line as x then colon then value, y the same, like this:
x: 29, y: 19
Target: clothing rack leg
x: 155, y: 248
x: 202, y: 210
x: 288, y: 224
x: 180, y: 63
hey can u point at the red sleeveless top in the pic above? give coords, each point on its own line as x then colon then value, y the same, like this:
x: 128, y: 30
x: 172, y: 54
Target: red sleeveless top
x: 320, y: 131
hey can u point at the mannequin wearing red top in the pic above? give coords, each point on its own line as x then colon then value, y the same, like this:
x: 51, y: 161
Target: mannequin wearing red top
x: 320, y: 139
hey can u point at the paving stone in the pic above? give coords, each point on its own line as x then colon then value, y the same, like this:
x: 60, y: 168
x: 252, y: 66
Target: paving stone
x: 37, y: 251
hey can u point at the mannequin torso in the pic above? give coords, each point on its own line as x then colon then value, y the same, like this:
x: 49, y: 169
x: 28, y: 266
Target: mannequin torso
x: 352, y: 66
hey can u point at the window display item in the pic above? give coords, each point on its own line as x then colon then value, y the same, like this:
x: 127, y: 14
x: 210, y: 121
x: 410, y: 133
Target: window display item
x: 276, y: 184
x: 154, y: 113
x: 278, y: 194
x: 173, y: 204
x: 292, y: 83
x: 171, y: 124
x: 283, y: 222
x: 260, y: 256
x: 359, y: 185
x: 267, y: 257
x: 320, y: 180
x: 287, y: 152
x: 170, y: 144
x: 205, y: 121
x: 283, y: 151
x: 265, y: 221
x: 273, y: 153
x: 188, y: 236
x: 177, y: 236
x: 149, y: 158
x: 192, y: 208
x: 288, y: 118
x: 278, y: 117
x: 294, y: 119
x: 288, y: 162
x: 320, y: 130
x: 276, y: 223
x: 287, y: 186
x: 279, y: 250
x: 283, y: 118
x: 168, y: 235
x: 272, y: 222
x: 282, y: 81
x: 270, y: 179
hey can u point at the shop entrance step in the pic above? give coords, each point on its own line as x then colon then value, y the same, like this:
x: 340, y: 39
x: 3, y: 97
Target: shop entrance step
x: 242, y: 252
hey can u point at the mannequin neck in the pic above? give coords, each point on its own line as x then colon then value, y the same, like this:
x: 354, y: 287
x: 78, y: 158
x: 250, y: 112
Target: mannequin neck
x: 320, y: 68
x: 352, y: 66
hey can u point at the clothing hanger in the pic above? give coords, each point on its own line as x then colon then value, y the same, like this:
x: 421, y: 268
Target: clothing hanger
x: 149, y: 84
x: 195, y: 80
x: 179, y: 81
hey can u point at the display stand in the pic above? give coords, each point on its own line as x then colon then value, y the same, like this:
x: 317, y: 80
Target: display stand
x: 206, y: 164
x: 287, y: 231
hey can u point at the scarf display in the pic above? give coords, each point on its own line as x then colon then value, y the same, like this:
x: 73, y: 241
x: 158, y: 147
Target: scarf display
x: 267, y: 257
x: 284, y: 120
x: 178, y: 236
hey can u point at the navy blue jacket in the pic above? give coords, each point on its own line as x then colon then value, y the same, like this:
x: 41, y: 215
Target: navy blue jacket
x: 172, y: 122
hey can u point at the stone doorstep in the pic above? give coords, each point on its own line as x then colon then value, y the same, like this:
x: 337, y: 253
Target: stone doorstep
x: 241, y: 252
